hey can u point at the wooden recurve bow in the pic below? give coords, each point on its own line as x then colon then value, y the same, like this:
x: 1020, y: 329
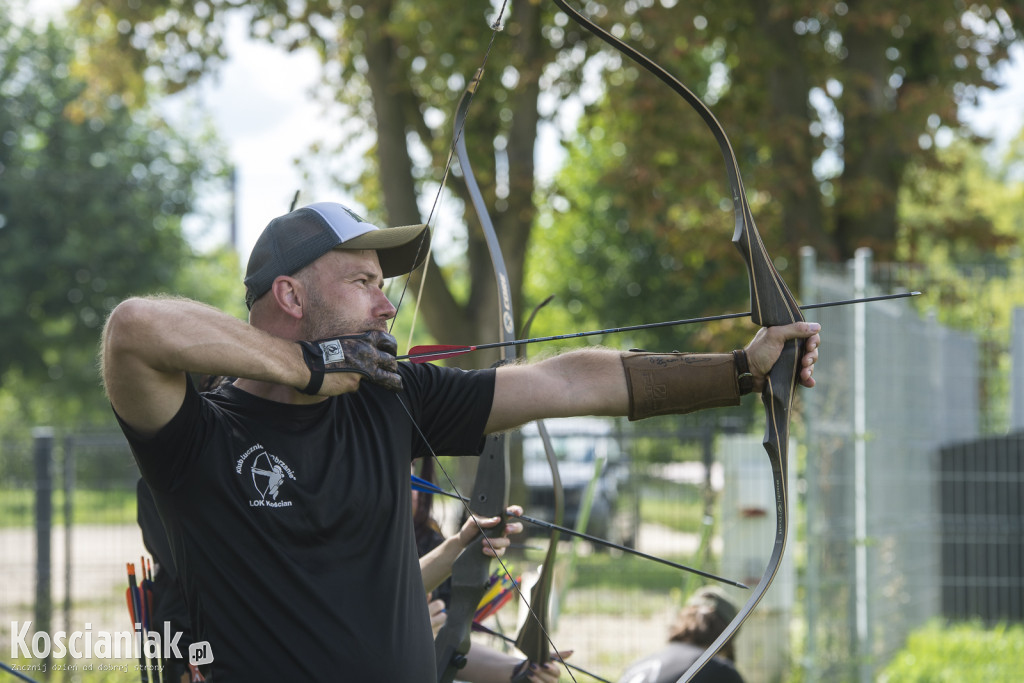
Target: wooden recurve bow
x: 771, y: 303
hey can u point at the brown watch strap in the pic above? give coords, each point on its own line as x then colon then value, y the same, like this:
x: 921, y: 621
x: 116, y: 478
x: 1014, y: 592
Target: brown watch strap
x: 743, y: 375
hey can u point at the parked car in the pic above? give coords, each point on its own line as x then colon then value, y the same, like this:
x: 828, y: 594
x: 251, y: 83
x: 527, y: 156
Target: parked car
x: 583, y: 446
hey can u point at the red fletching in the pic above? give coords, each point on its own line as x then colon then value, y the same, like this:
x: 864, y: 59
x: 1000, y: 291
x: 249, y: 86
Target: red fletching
x: 433, y: 352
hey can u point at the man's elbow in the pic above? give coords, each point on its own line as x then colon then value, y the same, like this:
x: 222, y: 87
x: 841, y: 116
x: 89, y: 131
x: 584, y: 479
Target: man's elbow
x: 124, y: 327
x: 130, y: 314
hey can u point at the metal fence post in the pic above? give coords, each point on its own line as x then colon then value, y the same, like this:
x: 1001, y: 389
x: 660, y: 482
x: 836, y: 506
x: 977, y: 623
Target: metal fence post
x: 809, y: 291
x: 1017, y: 367
x: 69, y: 497
x: 862, y: 270
x: 42, y: 438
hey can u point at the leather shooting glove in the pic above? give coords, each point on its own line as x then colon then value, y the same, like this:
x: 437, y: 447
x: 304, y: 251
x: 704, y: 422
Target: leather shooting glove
x: 371, y: 354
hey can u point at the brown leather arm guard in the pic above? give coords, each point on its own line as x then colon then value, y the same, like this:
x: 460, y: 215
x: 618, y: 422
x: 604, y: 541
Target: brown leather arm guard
x: 678, y: 383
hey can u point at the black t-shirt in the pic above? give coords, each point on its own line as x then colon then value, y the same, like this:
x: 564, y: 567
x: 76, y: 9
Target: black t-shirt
x: 669, y: 664
x: 291, y: 526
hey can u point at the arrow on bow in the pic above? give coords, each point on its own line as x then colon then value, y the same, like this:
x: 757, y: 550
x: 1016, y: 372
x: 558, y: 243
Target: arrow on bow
x: 429, y: 353
x: 512, y: 641
x: 771, y: 303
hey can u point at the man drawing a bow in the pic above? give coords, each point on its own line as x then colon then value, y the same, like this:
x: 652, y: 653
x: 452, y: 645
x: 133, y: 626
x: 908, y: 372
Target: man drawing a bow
x: 321, y: 581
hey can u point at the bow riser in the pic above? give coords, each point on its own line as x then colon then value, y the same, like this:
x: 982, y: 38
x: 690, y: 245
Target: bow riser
x: 472, y: 569
x: 771, y: 302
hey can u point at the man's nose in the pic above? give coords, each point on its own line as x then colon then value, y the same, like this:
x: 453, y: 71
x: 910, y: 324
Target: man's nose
x: 384, y: 308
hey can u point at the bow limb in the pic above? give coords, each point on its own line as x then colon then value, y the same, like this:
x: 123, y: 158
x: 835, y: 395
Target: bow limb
x: 771, y: 304
x: 532, y: 640
x: 492, y: 471
x: 471, y: 570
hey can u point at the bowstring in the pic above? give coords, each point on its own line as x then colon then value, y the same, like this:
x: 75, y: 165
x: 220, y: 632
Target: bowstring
x: 496, y: 27
x: 556, y: 656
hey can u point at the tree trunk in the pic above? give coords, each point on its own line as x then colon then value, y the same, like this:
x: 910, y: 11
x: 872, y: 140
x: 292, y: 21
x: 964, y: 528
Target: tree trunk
x: 476, y: 320
x: 788, y: 82
x: 872, y: 152
x: 391, y: 97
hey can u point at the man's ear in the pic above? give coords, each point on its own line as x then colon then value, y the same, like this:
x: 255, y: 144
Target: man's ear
x: 289, y: 294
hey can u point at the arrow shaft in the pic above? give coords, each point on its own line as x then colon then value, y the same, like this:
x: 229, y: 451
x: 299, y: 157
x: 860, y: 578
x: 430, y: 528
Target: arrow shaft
x: 428, y: 487
x: 631, y: 551
x: 425, y: 352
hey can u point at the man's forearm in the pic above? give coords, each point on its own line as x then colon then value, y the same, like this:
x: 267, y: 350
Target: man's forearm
x: 584, y: 382
x: 606, y: 382
x: 149, y: 345
x: 171, y: 335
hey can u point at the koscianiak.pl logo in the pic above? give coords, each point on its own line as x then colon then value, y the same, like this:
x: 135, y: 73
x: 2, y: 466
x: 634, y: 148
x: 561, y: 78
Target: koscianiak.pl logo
x: 89, y: 644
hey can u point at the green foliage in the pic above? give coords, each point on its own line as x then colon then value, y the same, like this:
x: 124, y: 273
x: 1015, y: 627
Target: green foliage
x: 215, y: 278
x: 636, y: 226
x: 960, y: 653
x: 962, y: 227
x: 826, y: 104
x: 618, y: 251
x: 92, y: 196
x: 960, y: 210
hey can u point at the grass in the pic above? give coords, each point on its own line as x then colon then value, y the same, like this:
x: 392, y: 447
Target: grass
x: 611, y: 584
x: 960, y: 653
x: 90, y: 506
x: 625, y: 572
x: 677, y: 514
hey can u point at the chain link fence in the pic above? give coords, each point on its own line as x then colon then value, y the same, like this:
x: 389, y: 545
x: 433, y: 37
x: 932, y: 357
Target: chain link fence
x: 67, y: 530
x: 895, y: 389
x: 901, y: 511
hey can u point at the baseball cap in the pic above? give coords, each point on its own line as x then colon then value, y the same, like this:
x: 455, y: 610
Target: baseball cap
x: 291, y: 242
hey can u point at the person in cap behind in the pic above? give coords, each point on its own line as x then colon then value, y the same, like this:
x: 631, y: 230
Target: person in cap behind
x: 702, y: 619
x: 285, y: 494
